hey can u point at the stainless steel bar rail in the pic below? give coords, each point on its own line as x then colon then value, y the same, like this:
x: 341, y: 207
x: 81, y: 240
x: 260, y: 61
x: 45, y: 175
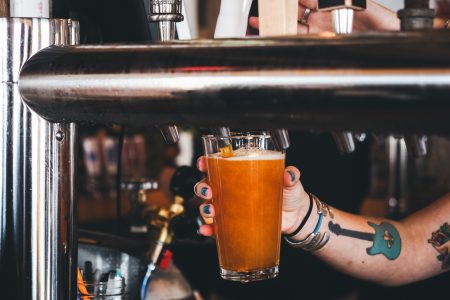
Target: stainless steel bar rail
x: 393, y: 83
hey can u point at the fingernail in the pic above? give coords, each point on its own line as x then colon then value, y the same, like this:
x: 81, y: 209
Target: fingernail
x: 198, y: 163
x: 203, y: 191
x: 207, y: 209
x: 292, y: 174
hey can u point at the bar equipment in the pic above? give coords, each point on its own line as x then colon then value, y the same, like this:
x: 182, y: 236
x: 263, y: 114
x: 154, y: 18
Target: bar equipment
x: 397, y: 178
x: 278, y: 18
x: 342, y: 13
x: 38, y: 173
x: 197, y: 83
x: 416, y: 15
x: 202, y: 83
x: 233, y: 18
x: 345, y: 142
x: 100, y: 253
x: 162, y: 221
x: 231, y: 23
x: 166, y: 14
x: 138, y: 197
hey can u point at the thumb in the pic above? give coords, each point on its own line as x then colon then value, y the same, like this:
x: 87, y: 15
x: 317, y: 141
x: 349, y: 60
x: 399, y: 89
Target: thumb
x: 291, y: 177
x: 293, y: 191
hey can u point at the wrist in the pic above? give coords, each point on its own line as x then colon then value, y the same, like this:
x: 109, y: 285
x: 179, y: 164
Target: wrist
x: 294, y: 218
x: 309, y: 226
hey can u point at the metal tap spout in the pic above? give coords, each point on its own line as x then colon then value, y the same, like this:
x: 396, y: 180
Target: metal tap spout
x: 280, y: 138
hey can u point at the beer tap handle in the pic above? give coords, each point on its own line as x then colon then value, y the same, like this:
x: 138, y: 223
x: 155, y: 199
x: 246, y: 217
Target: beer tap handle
x: 342, y: 12
x: 278, y: 17
x: 232, y: 21
x: 342, y: 20
x: 166, y: 13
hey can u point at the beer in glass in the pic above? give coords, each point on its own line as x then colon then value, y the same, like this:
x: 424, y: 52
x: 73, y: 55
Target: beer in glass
x: 247, y: 197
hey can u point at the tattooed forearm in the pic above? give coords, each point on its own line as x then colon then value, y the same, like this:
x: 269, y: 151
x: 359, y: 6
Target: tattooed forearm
x: 440, y: 240
x: 386, y: 239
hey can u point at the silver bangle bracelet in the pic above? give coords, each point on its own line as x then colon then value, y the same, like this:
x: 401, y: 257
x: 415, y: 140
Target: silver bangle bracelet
x: 315, y: 240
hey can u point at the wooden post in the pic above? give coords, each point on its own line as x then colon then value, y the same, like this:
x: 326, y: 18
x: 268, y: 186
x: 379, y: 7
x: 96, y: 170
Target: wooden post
x: 278, y: 17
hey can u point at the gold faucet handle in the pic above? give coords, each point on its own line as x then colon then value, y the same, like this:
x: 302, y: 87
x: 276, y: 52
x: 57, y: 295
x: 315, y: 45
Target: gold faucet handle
x: 177, y: 207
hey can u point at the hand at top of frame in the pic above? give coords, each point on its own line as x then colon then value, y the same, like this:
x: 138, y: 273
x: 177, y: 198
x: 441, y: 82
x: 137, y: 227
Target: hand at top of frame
x: 375, y: 17
x: 295, y: 200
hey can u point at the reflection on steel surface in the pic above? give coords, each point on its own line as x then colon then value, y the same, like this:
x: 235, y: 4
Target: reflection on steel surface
x: 349, y: 83
x: 37, y: 175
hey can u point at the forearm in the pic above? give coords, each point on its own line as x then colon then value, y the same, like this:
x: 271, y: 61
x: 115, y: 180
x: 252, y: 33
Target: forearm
x: 382, y: 251
x: 376, y: 17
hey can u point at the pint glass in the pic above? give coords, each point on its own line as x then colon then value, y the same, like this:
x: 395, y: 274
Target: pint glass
x: 247, y: 197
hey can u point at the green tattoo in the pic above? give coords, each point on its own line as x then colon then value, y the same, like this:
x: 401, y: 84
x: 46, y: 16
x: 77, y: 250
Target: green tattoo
x: 386, y: 239
x: 440, y: 240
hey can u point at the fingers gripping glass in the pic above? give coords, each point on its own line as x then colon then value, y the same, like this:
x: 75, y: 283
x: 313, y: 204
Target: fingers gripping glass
x: 247, y: 197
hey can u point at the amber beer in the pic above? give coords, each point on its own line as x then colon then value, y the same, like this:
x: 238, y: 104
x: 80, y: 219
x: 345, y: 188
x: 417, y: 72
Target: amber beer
x: 247, y: 197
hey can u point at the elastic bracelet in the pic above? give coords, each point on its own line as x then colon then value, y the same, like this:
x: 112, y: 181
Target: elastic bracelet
x: 305, y: 219
x: 319, y: 224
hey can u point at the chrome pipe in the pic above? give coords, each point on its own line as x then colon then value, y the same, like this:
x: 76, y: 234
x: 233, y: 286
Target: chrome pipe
x: 13, y: 248
x: 359, y: 83
x: 12, y: 228
x: 37, y: 175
